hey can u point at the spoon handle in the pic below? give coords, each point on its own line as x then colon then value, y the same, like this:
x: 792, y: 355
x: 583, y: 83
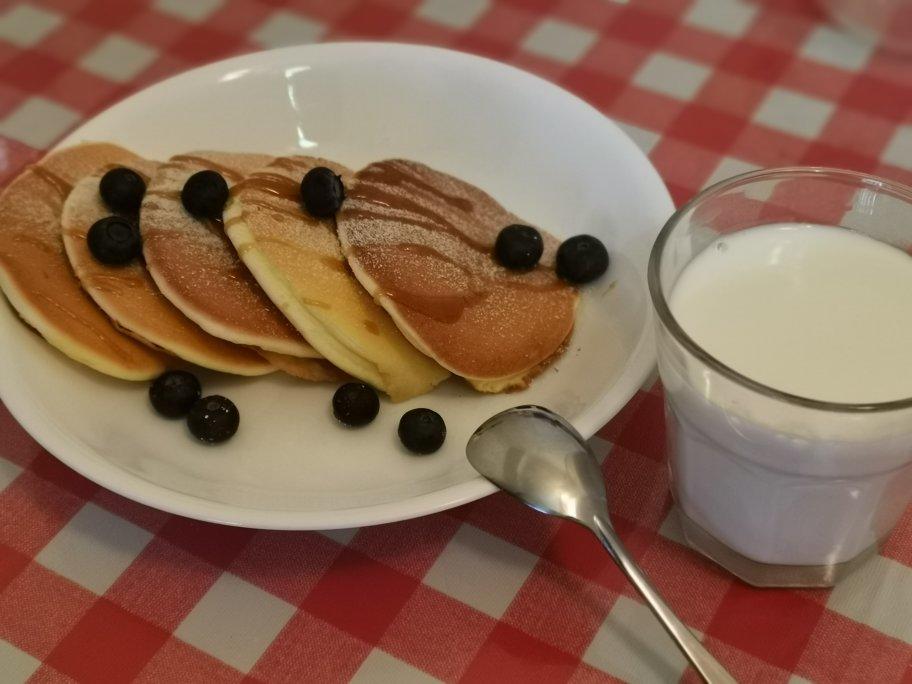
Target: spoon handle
x: 704, y: 663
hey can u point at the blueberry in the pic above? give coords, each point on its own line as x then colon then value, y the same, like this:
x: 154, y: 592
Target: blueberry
x: 355, y: 404
x: 213, y: 419
x: 204, y: 194
x: 518, y: 247
x: 174, y: 392
x: 582, y: 259
x: 122, y: 190
x: 422, y: 430
x: 322, y: 192
x: 114, y: 241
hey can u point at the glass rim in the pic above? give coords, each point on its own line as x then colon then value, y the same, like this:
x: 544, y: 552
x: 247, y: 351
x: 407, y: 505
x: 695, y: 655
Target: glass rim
x: 677, y: 332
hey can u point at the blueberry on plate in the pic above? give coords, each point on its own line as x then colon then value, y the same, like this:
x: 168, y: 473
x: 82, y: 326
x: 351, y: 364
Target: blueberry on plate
x: 581, y: 259
x: 422, y: 430
x: 355, y: 404
x: 122, y: 189
x: 322, y: 192
x: 204, y: 194
x: 518, y: 247
x: 174, y: 392
x: 213, y: 419
x: 114, y: 241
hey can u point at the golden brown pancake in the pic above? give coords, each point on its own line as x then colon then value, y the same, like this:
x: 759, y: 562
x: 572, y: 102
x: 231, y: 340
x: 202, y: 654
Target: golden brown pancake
x: 421, y: 242
x: 298, y: 262
x: 36, y: 277
x: 313, y: 370
x: 196, y: 268
x: 129, y: 296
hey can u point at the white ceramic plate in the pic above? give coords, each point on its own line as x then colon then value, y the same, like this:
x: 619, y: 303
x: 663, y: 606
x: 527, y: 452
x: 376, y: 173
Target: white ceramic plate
x: 542, y: 152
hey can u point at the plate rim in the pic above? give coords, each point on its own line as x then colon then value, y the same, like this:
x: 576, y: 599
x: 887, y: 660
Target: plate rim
x: 82, y: 458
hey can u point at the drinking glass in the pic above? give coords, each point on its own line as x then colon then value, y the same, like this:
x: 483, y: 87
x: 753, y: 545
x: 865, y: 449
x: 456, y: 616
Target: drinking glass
x: 781, y: 490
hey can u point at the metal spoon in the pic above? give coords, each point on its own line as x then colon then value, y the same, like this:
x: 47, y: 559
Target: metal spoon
x: 539, y: 458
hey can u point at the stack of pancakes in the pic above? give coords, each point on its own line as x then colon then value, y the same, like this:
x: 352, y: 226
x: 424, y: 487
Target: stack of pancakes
x: 398, y: 289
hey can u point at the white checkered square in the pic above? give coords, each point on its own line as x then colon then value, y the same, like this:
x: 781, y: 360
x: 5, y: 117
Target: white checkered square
x: 94, y: 548
x: 38, y: 122
x: 188, y: 10
x: 235, y: 621
x: 793, y: 112
x: 728, y: 167
x: 632, y: 646
x: 643, y: 137
x: 670, y: 75
x: 601, y: 448
x: 9, y: 471
x: 342, y: 536
x: 285, y: 28
x: 381, y: 667
x: 118, y: 58
x: 836, y: 48
x: 481, y: 570
x: 795, y: 679
x: 457, y: 15
x: 25, y: 25
x: 877, y: 594
x: 559, y: 41
x: 16, y: 666
x: 899, y: 150
x: 728, y: 17
x: 671, y: 528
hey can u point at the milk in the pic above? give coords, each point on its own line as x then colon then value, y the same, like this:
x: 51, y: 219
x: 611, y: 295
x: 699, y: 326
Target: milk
x: 818, y: 312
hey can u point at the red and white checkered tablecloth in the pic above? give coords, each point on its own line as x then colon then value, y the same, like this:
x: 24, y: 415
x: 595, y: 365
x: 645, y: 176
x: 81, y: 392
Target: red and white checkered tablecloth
x: 95, y: 588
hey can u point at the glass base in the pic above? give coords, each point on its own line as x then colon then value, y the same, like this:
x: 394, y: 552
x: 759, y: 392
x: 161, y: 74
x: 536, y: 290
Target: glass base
x: 765, y: 574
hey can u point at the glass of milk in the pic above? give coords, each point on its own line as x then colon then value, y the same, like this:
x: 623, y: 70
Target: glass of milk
x: 784, y: 302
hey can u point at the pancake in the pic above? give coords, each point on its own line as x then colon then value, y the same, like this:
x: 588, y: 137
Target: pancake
x: 298, y: 262
x: 36, y: 277
x: 312, y: 370
x: 130, y: 298
x: 421, y: 242
x: 197, y: 269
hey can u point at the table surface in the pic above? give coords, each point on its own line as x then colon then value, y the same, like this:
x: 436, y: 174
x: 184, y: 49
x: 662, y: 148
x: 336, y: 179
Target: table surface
x: 96, y: 588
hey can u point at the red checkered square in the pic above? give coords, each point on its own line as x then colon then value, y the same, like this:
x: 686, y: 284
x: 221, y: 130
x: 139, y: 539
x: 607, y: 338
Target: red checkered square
x: 31, y: 70
x: 732, y: 93
x: 11, y: 564
x: 45, y: 507
x: 774, y: 625
x: 592, y: 13
x: 505, y: 517
x: 360, y: 595
x: 370, y: 19
x: 706, y: 127
x: 599, y: 90
x: 510, y: 655
x: 83, y: 91
x: 692, y: 175
x: 505, y: 25
x: 784, y: 31
x: 841, y: 649
x: 147, y: 587
x: 109, y: 644
x: 815, y: 79
x: 437, y: 633
x: 148, y: 518
x: 216, y: 544
x: 38, y: 608
x: 697, y: 44
x: 551, y: 591
x: 768, y: 148
x: 287, y: 564
x: 176, y: 661
x: 410, y: 547
x: 50, y: 469
x: 637, y: 487
x: 899, y: 545
x: 640, y: 27
x: 109, y: 14
x: 310, y: 649
x: 48, y: 675
x: 879, y: 97
x: 205, y: 44
x: 15, y: 444
x: 696, y: 587
x: 586, y: 674
x: 744, y: 667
